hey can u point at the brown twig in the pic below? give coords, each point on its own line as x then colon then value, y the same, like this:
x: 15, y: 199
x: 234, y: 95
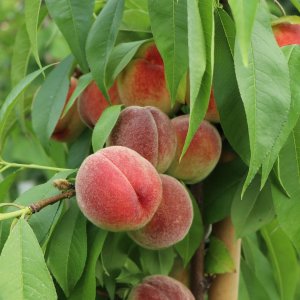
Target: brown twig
x: 37, y: 206
x: 198, y: 280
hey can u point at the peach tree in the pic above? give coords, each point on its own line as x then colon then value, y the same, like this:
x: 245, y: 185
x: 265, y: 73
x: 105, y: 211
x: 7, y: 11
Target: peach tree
x: 150, y: 150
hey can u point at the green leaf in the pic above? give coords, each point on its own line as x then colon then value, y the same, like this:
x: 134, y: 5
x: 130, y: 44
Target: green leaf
x: 12, y: 99
x: 188, y: 246
x: 292, y: 54
x: 50, y: 100
x: 100, y: 46
x: 296, y: 3
x: 82, y: 83
x: 74, y: 19
x: 67, y: 250
x: 260, y: 265
x: 119, y: 58
x: 32, y: 11
x: 288, y: 208
x: 244, y: 15
x: 135, y: 20
x: 254, y: 210
x: 21, y: 55
x: 265, y: 91
x: 201, y: 61
x: 86, y: 286
x: 157, y: 261
x: 227, y: 177
x: 284, y: 260
x: 113, y: 261
x: 5, y: 185
x: 169, y: 27
x: 79, y: 149
x: 218, y: 259
x: 105, y: 125
x: 42, y: 221
x: 23, y: 271
x: 251, y: 285
x: 226, y: 91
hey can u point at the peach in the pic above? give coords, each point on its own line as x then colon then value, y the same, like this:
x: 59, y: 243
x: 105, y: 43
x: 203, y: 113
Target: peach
x: 202, y: 155
x: 212, y: 113
x: 148, y: 131
x: 70, y: 126
x: 172, y: 220
x: 287, y: 30
x: 92, y: 103
x: 160, y: 287
x: 117, y: 189
x: 143, y: 81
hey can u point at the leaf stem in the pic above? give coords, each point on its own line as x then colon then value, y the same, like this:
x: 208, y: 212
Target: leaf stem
x: 280, y: 7
x: 8, y: 165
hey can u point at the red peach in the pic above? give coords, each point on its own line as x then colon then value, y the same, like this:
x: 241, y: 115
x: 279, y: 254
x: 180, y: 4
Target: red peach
x: 70, y: 126
x: 117, y: 189
x: 202, y: 155
x: 287, y: 30
x: 92, y: 103
x: 160, y: 287
x: 172, y: 220
x: 143, y: 81
x: 212, y: 113
x: 148, y: 131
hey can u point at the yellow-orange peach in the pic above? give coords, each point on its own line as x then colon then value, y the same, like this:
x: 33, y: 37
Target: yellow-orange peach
x: 212, y: 113
x: 148, y: 131
x: 143, y: 81
x: 92, y: 103
x: 202, y: 155
x: 70, y: 126
x: 172, y: 220
x: 117, y: 189
x: 160, y: 287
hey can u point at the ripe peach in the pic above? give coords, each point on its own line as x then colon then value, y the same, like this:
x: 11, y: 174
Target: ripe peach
x: 92, y: 103
x: 70, y: 126
x: 202, y: 155
x: 143, y: 82
x: 148, y: 131
x: 160, y: 287
x: 117, y: 189
x: 172, y: 220
x: 287, y: 30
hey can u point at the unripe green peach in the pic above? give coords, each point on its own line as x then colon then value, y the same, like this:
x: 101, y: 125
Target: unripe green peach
x: 148, y: 131
x: 160, y: 287
x: 143, y: 81
x: 202, y: 155
x: 172, y: 220
x: 92, y: 103
x: 70, y: 126
x: 117, y: 189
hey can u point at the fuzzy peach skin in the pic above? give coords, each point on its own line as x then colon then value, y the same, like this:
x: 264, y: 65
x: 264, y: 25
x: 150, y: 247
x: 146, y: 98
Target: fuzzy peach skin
x: 160, y: 287
x: 92, y: 103
x: 117, y: 189
x: 70, y: 126
x: 287, y: 30
x: 202, y: 155
x: 148, y: 131
x: 143, y: 81
x: 172, y: 220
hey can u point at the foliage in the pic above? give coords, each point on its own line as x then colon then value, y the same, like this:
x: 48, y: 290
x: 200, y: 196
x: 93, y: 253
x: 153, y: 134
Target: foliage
x: 58, y: 253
